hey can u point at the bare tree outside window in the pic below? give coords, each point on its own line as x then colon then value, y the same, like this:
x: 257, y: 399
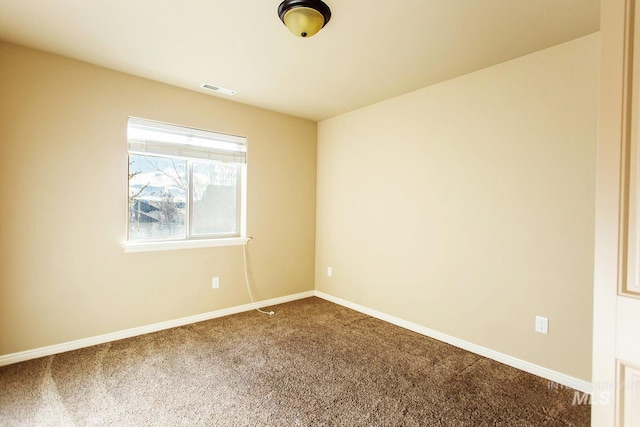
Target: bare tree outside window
x: 157, y: 197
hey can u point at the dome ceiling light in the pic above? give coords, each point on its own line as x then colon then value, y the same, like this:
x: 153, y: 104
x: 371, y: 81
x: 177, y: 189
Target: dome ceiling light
x: 304, y: 18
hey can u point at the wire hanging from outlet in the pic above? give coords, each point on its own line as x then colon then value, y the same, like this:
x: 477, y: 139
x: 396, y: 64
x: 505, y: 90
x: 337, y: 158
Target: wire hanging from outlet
x: 246, y: 278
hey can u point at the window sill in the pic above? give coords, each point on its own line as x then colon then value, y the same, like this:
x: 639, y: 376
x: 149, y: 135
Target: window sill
x: 130, y: 247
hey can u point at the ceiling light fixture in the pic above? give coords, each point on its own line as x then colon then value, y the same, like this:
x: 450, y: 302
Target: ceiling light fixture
x: 304, y: 18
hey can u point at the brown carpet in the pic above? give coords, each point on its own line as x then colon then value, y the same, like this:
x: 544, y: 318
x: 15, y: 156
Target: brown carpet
x: 313, y: 363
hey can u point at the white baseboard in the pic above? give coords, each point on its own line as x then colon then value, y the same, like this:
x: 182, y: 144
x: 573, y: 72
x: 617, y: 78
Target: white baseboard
x: 556, y: 377
x: 128, y: 333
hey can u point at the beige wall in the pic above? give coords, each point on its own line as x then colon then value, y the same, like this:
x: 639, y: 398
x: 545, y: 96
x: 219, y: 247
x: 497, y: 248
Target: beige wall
x: 63, y: 175
x: 468, y: 206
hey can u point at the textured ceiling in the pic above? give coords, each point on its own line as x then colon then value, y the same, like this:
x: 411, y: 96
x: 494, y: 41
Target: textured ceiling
x: 371, y: 49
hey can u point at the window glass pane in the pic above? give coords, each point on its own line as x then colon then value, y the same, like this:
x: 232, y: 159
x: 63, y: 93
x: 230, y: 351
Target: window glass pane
x: 215, y: 198
x: 157, y: 197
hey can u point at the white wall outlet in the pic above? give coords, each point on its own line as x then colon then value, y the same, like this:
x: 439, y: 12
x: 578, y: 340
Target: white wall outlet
x: 542, y: 325
x: 215, y: 283
x: 329, y: 271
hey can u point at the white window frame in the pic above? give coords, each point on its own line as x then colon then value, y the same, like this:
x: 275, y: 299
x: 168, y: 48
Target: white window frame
x: 191, y: 144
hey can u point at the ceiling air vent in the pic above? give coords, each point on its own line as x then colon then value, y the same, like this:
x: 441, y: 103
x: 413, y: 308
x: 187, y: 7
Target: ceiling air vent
x: 218, y: 89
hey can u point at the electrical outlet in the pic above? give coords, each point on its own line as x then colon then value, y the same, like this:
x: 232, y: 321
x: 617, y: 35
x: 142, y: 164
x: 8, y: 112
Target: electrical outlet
x: 329, y: 271
x: 215, y: 283
x: 542, y: 325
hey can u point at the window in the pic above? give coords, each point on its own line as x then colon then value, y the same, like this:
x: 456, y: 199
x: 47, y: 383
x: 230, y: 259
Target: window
x: 185, y: 185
